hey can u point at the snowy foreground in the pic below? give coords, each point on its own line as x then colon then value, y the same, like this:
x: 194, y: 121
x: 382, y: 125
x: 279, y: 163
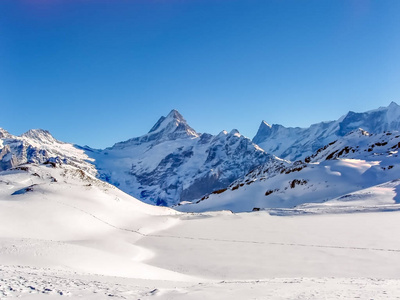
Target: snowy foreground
x: 64, y: 233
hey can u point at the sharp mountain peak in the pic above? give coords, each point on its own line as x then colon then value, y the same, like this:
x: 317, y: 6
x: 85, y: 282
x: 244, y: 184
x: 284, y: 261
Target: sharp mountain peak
x: 173, y: 117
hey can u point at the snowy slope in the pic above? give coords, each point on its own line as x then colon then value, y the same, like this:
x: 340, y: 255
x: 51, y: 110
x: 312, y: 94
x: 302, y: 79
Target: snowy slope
x: 68, y: 239
x: 356, y: 161
x: 297, y: 143
x: 173, y: 162
x: 64, y: 233
x: 74, y: 221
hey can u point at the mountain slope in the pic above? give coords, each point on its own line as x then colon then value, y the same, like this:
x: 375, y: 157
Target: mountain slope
x: 297, y: 143
x: 356, y: 161
x: 174, y: 163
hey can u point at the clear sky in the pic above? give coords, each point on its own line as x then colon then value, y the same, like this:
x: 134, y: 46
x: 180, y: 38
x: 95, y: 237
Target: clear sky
x: 97, y: 72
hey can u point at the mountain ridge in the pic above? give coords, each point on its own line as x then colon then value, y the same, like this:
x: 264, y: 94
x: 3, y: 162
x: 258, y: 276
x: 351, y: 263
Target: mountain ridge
x: 174, y: 163
x: 295, y: 143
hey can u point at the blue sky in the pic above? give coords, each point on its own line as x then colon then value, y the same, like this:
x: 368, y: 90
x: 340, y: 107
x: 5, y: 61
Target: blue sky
x: 98, y: 72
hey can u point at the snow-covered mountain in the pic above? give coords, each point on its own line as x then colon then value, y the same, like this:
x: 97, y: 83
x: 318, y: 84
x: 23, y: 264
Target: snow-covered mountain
x: 169, y: 164
x: 354, y: 162
x: 297, y: 143
x: 40, y: 147
x: 174, y: 163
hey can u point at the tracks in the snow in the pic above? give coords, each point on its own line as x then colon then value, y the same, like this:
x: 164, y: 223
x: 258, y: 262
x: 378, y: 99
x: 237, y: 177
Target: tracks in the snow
x: 235, y: 241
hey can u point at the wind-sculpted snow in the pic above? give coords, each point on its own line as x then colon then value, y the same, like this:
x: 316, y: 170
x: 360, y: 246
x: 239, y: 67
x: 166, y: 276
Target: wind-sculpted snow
x: 297, y: 143
x: 173, y: 163
x: 354, y: 162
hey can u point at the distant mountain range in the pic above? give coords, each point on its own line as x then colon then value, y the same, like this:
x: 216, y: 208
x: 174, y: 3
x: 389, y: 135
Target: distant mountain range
x: 174, y: 164
x: 293, y: 143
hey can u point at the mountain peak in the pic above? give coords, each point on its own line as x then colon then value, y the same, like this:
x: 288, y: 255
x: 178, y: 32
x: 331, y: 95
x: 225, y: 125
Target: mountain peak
x: 173, y: 126
x: 173, y: 117
x: 176, y: 115
x: 264, y: 131
x: 235, y: 132
x: 4, y: 133
x: 263, y: 123
x: 40, y: 135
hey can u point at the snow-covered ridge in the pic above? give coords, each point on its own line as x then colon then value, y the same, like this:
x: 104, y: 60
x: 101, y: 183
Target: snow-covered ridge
x: 297, y: 143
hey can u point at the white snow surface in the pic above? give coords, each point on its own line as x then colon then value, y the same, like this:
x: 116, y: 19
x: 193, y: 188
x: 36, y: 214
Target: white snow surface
x: 64, y: 233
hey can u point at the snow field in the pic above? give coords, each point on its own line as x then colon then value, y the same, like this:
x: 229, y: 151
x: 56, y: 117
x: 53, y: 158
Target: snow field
x: 82, y: 238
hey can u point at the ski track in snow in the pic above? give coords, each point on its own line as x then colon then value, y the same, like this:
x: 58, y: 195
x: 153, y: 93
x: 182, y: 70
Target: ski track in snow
x: 229, y: 240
